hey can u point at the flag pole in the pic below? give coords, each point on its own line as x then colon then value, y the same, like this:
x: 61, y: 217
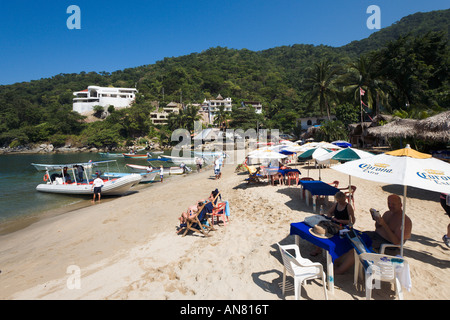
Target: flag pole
x: 362, y: 115
x: 360, y: 104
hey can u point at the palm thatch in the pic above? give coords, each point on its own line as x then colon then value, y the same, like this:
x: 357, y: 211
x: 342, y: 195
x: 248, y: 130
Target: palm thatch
x: 436, y: 127
x: 398, y: 128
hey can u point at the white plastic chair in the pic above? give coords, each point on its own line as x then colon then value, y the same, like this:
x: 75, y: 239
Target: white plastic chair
x: 381, y: 267
x: 301, y: 269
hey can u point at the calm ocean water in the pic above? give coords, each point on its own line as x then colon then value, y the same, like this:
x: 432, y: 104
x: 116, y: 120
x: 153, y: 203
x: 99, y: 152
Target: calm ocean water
x: 18, y: 180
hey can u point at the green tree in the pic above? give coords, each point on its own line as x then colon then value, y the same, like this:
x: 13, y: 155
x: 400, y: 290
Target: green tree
x: 331, y: 131
x: 221, y: 118
x: 365, y: 74
x: 321, y: 85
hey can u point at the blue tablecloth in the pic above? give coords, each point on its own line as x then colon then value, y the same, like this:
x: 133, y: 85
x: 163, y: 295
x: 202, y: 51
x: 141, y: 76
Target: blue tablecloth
x: 283, y: 172
x: 335, y: 245
x: 318, y: 188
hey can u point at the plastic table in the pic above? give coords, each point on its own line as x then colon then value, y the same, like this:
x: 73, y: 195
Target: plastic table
x: 335, y: 246
x: 317, y: 188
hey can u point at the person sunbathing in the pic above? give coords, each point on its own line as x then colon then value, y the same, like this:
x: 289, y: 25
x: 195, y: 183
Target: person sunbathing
x: 189, y: 214
x: 211, y: 203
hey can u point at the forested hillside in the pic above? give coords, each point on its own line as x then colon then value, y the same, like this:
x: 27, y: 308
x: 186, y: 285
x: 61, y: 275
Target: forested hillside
x: 403, y: 68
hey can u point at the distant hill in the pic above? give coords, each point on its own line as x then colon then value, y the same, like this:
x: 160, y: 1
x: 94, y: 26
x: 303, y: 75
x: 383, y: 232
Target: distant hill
x: 30, y: 111
x: 415, y: 24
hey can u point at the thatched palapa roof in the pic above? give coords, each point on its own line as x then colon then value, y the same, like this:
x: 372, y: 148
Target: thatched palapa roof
x: 398, y: 128
x: 436, y: 128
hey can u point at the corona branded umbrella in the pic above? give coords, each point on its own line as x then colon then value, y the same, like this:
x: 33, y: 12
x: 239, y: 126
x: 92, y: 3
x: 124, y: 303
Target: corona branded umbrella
x: 406, y: 167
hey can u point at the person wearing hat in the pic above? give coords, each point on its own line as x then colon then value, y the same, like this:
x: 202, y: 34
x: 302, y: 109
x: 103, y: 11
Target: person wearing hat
x: 341, y: 212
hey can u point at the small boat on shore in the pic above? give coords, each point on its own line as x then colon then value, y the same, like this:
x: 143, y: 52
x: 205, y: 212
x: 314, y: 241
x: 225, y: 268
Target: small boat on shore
x: 146, y: 176
x: 134, y: 156
x: 64, y: 183
x: 110, y: 155
x: 179, y: 160
x: 167, y: 170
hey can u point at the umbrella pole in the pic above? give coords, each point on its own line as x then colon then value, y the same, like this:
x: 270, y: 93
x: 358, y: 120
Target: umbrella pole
x: 403, y: 220
x: 320, y: 178
x: 350, y: 190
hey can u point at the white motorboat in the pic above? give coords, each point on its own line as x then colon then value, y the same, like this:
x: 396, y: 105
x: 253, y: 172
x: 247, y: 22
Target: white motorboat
x: 179, y: 160
x: 67, y: 184
x: 146, y: 176
x: 167, y: 170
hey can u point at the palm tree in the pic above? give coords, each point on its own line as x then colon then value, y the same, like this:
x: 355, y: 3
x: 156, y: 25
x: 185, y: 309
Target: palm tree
x: 321, y: 84
x: 221, y: 118
x: 191, y: 115
x: 366, y: 75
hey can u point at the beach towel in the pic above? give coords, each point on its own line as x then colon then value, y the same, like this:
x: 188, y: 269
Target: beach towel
x: 312, y: 221
x: 227, y: 209
x: 358, y: 243
x: 403, y: 274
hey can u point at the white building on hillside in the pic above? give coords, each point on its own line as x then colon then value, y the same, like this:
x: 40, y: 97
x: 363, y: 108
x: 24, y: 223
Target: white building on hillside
x: 162, y: 116
x: 307, y: 122
x: 212, y: 106
x: 85, y: 100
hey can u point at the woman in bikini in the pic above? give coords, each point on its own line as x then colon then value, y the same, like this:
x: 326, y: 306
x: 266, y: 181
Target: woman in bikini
x: 341, y: 212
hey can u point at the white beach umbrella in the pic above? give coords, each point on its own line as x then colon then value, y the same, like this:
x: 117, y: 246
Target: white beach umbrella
x: 266, y: 154
x: 294, y: 148
x: 313, y: 154
x: 405, y: 167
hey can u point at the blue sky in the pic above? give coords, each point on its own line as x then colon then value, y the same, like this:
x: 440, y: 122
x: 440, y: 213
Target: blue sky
x: 36, y: 43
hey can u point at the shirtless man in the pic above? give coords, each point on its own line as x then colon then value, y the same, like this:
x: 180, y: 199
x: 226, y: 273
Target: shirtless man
x: 388, y: 229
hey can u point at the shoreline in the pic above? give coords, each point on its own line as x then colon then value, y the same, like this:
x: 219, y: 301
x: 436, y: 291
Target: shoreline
x: 128, y: 248
x: 18, y: 223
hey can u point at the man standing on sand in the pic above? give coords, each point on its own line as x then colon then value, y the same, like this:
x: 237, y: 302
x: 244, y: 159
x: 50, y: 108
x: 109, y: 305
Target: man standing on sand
x: 97, y: 186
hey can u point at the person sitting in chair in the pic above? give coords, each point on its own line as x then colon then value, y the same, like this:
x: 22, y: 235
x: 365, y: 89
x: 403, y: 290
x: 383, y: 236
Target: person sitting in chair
x: 211, y: 203
x: 388, y: 230
x: 341, y: 212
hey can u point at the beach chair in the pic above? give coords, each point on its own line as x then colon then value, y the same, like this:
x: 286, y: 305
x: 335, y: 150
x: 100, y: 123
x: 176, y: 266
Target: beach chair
x: 347, y: 194
x: 199, y: 222
x: 218, y: 211
x: 292, y: 176
x: 301, y: 269
x: 277, y: 176
x: 254, y: 177
x: 380, y: 267
x: 334, y: 183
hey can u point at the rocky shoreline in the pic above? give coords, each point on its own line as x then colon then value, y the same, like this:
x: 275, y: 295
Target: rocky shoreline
x: 49, y: 148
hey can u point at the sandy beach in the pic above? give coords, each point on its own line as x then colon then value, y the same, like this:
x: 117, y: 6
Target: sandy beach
x: 128, y: 248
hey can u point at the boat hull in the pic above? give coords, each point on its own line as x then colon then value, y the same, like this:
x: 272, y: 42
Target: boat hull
x: 179, y: 160
x: 134, y: 156
x: 111, y: 187
x: 171, y: 170
x: 146, y: 176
